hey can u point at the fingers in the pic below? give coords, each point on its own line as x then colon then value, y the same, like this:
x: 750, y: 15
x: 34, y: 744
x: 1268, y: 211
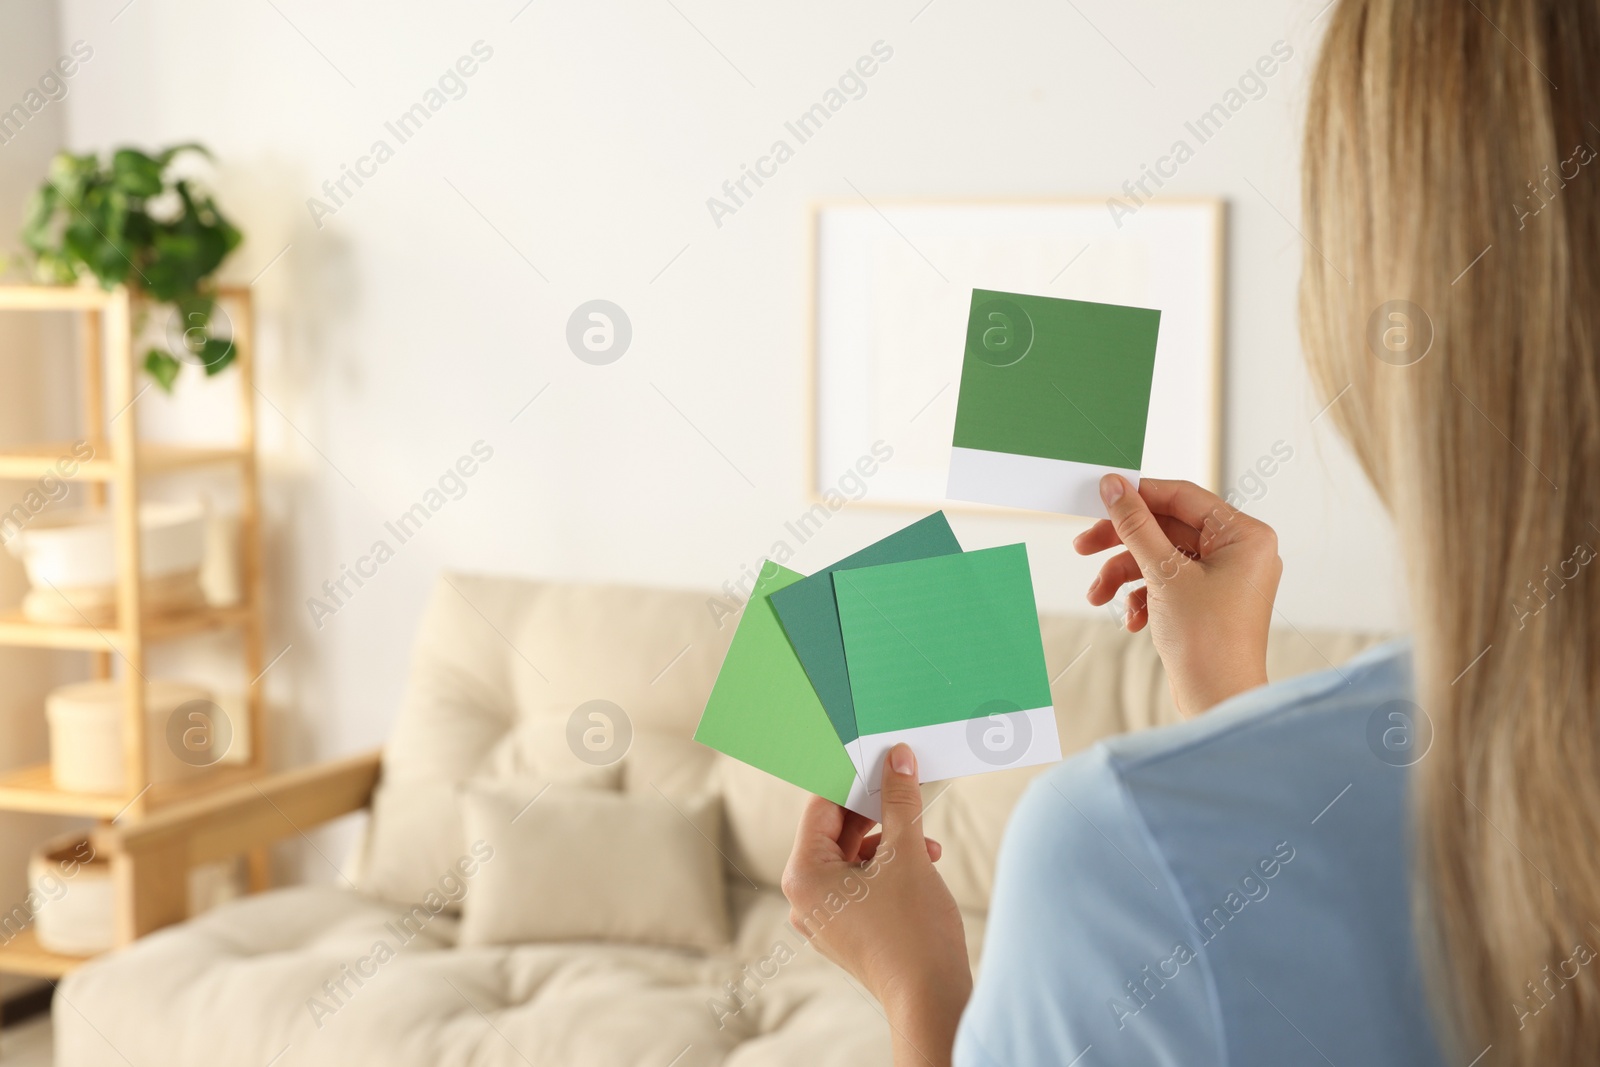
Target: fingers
x: 1138, y: 616
x: 902, y: 798
x: 822, y: 824
x: 869, y: 848
x: 1137, y: 527
x: 1118, y: 571
x: 855, y: 829
x: 1186, y: 513
x: 816, y: 841
x: 1103, y: 535
x: 1200, y: 508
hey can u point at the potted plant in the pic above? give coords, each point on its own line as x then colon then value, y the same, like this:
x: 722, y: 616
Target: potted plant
x: 130, y: 221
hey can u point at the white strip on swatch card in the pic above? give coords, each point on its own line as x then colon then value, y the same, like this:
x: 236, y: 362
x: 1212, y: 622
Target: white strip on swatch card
x: 864, y: 801
x: 1058, y: 485
x: 966, y: 746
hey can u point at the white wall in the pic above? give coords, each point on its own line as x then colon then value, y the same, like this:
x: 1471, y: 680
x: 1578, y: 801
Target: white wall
x: 415, y: 321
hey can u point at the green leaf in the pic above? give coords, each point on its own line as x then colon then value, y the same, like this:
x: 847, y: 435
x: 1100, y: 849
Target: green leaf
x: 162, y: 367
x: 41, y: 210
x: 217, y: 354
x: 195, y: 304
x: 91, y: 215
x: 136, y: 173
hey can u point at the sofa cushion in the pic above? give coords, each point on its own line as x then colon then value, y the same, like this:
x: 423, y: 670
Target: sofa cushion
x: 416, y: 830
x: 500, y: 670
x: 584, y: 864
x: 275, y: 975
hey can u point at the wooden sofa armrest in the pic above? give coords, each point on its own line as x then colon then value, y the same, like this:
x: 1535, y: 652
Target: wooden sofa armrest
x: 150, y: 858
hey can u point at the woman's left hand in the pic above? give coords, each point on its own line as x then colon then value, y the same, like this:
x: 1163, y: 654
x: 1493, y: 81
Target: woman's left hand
x: 876, y: 907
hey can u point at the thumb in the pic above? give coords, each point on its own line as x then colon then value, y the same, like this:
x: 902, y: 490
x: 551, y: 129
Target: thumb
x: 902, y: 798
x: 1137, y: 528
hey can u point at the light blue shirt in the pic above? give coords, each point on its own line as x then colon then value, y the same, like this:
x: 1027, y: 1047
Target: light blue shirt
x: 1231, y: 891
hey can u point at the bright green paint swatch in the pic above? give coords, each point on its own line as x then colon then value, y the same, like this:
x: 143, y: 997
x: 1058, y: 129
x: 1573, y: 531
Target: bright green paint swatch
x: 762, y: 709
x: 942, y: 639
x: 1060, y: 379
x: 811, y: 617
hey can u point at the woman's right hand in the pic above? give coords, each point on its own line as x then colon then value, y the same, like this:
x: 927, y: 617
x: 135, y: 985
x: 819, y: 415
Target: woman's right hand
x: 1210, y: 573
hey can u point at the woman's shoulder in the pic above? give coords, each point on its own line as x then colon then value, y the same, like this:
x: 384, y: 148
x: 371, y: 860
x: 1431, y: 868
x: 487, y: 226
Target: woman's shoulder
x: 1279, y: 714
x: 1218, y: 876
x: 1351, y: 714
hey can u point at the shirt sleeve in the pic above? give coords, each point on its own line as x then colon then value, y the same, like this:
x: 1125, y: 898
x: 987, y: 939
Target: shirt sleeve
x: 1089, y: 956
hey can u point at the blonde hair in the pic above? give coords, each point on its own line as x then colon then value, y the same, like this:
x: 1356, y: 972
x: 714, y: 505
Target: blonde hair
x: 1450, y: 303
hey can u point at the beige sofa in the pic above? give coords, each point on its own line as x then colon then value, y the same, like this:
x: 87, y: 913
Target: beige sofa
x: 497, y: 670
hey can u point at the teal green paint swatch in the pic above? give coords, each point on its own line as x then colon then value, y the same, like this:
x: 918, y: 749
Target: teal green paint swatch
x: 763, y: 711
x: 942, y: 639
x: 810, y: 615
x: 1059, y: 379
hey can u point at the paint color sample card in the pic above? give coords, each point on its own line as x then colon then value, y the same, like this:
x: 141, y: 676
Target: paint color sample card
x: 763, y: 711
x: 944, y: 654
x: 810, y: 615
x: 1055, y: 394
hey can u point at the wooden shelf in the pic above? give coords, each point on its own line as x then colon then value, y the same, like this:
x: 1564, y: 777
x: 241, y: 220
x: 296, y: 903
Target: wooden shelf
x: 32, y: 789
x: 162, y: 627
x: 54, y: 297
x: 17, y: 630
x: 147, y: 895
x: 31, y: 462
x: 24, y: 955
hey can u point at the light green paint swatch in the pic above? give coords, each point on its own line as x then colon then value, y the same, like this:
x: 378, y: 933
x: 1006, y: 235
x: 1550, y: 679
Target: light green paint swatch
x: 762, y: 709
x: 942, y: 639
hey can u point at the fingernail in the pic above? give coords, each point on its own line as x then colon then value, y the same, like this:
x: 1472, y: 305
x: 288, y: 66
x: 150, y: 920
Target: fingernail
x: 1111, y: 489
x: 901, y: 759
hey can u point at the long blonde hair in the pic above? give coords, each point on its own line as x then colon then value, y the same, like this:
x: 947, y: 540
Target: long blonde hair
x: 1450, y: 303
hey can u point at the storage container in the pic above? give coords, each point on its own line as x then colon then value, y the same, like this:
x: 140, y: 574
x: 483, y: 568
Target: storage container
x: 70, y: 559
x: 71, y: 903
x: 86, y: 751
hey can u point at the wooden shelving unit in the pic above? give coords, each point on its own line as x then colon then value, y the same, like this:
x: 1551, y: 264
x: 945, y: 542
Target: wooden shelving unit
x: 24, y: 955
x: 114, y: 475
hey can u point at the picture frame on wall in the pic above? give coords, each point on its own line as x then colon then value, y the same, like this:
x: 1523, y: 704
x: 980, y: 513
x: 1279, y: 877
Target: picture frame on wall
x: 892, y: 288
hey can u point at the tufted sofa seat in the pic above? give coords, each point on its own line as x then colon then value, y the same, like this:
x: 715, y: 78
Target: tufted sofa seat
x: 291, y: 977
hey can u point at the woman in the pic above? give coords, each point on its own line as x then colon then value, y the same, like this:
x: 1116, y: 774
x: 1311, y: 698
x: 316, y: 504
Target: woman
x: 1394, y: 862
